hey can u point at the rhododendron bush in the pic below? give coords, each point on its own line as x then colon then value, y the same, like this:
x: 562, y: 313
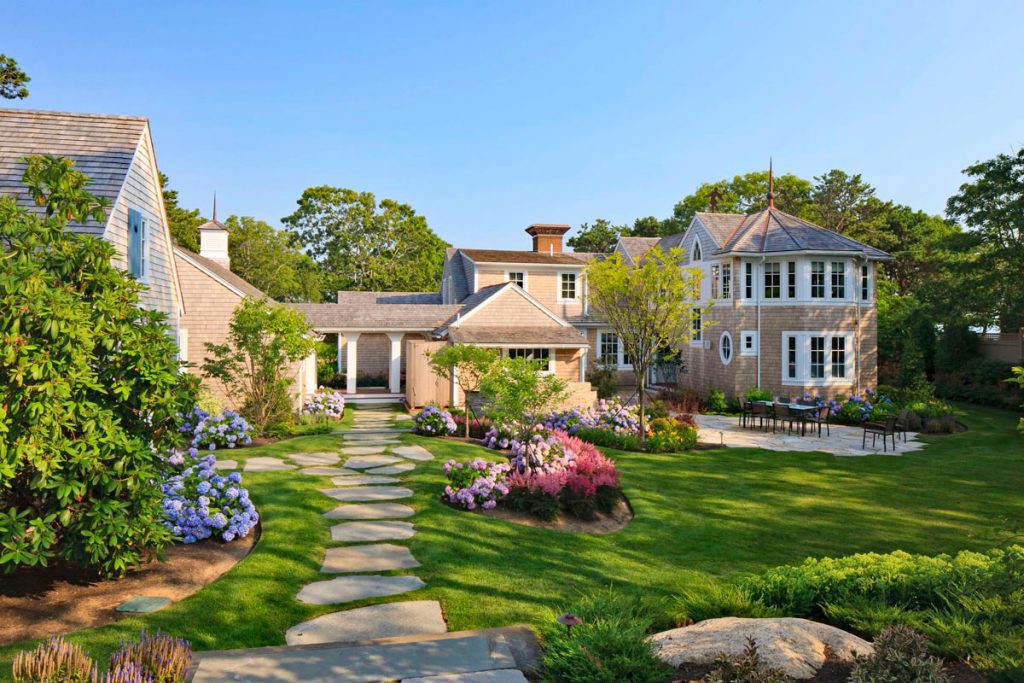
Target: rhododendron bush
x: 550, y: 472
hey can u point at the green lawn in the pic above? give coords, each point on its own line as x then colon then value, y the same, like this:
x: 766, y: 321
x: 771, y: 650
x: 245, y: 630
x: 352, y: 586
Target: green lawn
x: 700, y: 518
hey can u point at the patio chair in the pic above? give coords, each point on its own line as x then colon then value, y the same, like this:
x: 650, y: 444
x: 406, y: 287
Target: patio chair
x: 885, y: 429
x: 746, y: 412
x: 817, y: 418
x: 782, y: 413
x: 903, y: 424
x: 762, y: 411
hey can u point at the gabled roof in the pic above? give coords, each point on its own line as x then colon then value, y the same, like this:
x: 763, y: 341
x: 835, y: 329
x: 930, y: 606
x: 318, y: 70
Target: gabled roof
x: 485, y: 296
x: 635, y: 247
x: 773, y: 231
x: 525, y: 257
x: 101, y: 145
x: 455, y: 266
x: 230, y: 280
x: 384, y: 311
x: 720, y: 225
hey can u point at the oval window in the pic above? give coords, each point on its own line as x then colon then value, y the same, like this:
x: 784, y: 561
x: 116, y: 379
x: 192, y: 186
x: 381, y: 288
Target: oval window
x: 725, y: 348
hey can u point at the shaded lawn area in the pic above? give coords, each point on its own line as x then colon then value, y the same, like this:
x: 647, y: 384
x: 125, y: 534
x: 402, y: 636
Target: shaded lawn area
x: 701, y: 518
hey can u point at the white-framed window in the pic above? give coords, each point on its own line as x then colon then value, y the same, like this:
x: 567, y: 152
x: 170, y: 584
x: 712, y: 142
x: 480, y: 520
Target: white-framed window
x: 748, y: 281
x: 567, y: 287
x: 838, y: 280
x: 543, y: 356
x: 138, y: 245
x: 817, y: 279
x: 697, y: 327
x: 791, y: 279
x: 865, y: 282
x: 611, y: 352
x: 772, y: 280
x: 726, y: 280
x: 748, y: 343
x: 816, y: 358
x: 725, y: 348
x: 715, y: 275
x: 516, y: 276
x: 696, y: 254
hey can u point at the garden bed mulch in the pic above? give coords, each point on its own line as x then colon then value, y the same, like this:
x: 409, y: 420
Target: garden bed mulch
x: 35, y: 602
x: 602, y: 524
x: 833, y: 671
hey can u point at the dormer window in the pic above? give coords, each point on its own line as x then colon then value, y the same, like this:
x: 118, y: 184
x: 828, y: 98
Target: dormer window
x: 518, y: 277
x: 697, y: 254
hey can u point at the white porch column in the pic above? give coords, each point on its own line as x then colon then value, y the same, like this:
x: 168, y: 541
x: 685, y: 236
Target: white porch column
x: 395, y: 373
x: 338, y: 355
x: 351, y: 348
x: 583, y: 365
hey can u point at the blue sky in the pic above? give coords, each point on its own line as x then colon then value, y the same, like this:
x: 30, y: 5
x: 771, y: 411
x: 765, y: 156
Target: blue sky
x: 488, y: 116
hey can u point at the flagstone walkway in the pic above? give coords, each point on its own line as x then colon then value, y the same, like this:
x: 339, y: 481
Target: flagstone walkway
x: 364, y: 473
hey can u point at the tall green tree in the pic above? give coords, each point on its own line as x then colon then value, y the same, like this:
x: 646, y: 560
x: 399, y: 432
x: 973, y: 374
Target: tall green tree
x: 991, y: 204
x: 89, y: 388
x: 651, y: 307
x: 746, y: 193
x: 598, y: 238
x: 264, y: 338
x: 272, y: 260
x: 839, y: 200
x: 363, y: 245
x: 182, y: 223
x: 12, y: 79
x: 649, y: 226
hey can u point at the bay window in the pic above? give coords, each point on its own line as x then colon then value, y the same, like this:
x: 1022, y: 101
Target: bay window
x: 726, y: 281
x: 791, y: 279
x: 838, y: 280
x: 715, y: 275
x: 772, y: 280
x: 817, y: 279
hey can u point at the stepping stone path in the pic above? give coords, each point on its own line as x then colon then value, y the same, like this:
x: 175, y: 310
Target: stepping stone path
x: 362, y: 462
x: 371, y: 511
x: 266, y: 464
x: 373, y: 557
x: 372, y: 530
x: 226, y: 465
x: 362, y: 480
x: 328, y: 471
x: 414, y: 617
x: 351, y: 588
x: 311, y: 459
x: 413, y: 452
x: 362, y: 450
x: 397, y: 468
x: 368, y: 494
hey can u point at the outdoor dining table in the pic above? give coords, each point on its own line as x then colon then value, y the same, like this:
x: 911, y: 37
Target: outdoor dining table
x: 796, y: 407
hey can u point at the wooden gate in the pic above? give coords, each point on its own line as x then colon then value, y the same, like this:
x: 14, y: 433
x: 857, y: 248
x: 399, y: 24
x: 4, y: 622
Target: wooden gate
x: 422, y: 386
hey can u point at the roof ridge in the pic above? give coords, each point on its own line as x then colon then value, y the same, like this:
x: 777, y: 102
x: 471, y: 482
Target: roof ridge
x: 732, y: 235
x: 786, y: 230
x: 83, y: 115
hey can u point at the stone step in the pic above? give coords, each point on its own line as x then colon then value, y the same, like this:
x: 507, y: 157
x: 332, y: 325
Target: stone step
x: 321, y: 471
x: 363, y: 450
x: 313, y: 459
x: 495, y: 676
x: 370, y: 511
x: 362, y: 462
x: 369, y: 494
x: 375, y: 557
x: 397, y: 468
x: 356, y: 432
x: 383, y: 659
x: 350, y: 588
x: 266, y: 464
x: 413, y: 452
x: 362, y: 480
x: 410, y: 617
x: 371, y: 530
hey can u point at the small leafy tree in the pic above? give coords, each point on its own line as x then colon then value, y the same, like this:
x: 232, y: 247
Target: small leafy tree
x: 651, y: 307
x: 264, y: 338
x: 467, y: 364
x: 89, y: 388
x: 518, y: 392
x: 12, y: 79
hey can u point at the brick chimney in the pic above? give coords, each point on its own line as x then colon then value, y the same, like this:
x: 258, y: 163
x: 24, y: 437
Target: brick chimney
x: 547, y: 237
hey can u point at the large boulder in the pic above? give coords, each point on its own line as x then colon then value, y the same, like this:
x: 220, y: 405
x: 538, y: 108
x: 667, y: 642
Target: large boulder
x: 797, y: 646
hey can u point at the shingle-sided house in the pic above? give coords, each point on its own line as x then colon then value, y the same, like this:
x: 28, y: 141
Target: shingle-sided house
x: 116, y: 152
x: 793, y: 304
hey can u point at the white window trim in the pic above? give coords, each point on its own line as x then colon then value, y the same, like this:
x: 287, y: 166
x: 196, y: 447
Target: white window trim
x: 732, y: 348
x: 698, y: 341
x: 551, y: 356
x: 558, y: 292
x: 744, y: 351
x: 620, y: 353
x: 696, y: 251
x: 803, y: 359
x: 526, y: 278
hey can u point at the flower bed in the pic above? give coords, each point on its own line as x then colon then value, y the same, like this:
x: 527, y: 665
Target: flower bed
x: 326, y: 403
x: 549, y: 473
x: 433, y: 421
x: 226, y: 429
x: 199, y: 503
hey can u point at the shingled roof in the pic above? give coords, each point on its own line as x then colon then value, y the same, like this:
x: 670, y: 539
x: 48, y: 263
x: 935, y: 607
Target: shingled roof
x: 379, y: 311
x: 509, y: 256
x: 519, y: 335
x: 218, y: 271
x: 636, y: 247
x: 772, y: 231
x: 102, y: 147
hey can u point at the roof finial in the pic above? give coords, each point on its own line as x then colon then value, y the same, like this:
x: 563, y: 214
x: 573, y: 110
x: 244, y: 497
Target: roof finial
x: 215, y: 206
x: 771, y: 185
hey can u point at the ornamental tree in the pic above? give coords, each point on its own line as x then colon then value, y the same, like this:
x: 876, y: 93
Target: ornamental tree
x: 466, y: 364
x: 89, y: 388
x: 264, y: 338
x: 519, y: 392
x: 652, y: 307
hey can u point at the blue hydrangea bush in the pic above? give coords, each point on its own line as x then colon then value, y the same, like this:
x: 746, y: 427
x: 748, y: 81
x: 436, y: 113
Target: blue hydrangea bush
x: 477, y: 483
x: 226, y: 429
x: 501, y: 435
x: 199, y: 503
x: 326, y: 403
x: 609, y: 414
x: 854, y: 409
x: 433, y: 421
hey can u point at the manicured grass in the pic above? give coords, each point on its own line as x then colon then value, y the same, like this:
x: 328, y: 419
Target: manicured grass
x: 701, y: 518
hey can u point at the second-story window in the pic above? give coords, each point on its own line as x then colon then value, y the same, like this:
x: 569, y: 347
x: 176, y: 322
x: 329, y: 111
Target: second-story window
x: 772, y: 281
x: 698, y: 328
x: 567, y: 288
x: 838, y: 280
x: 715, y: 274
x: 791, y: 279
x: 817, y: 279
x: 865, y: 289
x: 726, y: 281
x: 749, y: 281
x: 518, y: 277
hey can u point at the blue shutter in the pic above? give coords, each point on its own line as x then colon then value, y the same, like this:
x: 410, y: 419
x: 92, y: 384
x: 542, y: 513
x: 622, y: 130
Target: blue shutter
x: 134, y: 242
